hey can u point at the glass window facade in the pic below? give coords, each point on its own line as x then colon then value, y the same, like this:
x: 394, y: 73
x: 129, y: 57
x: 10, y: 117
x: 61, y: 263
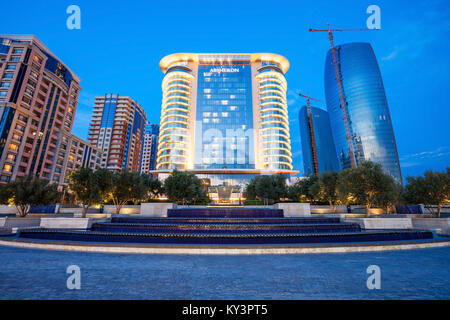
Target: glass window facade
x: 372, y: 136
x: 224, y: 117
x: 109, y: 112
x: 323, y: 138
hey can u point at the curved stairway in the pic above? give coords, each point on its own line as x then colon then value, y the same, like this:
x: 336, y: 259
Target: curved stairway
x: 188, y: 228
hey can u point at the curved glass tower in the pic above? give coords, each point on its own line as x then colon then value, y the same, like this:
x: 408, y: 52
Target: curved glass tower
x: 323, y: 139
x: 224, y: 116
x: 370, y: 126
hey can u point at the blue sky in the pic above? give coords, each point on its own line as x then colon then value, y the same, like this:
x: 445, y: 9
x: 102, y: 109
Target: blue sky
x: 120, y: 44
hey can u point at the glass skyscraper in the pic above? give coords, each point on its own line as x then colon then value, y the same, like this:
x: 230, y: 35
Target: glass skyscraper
x: 224, y: 117
x: 323, y: 139
x: 370, y: 125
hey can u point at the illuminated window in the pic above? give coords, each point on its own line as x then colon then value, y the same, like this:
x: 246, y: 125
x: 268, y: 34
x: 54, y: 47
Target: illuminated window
x: 13, y: 147
x: 224, y: 114
x: 7, y: 167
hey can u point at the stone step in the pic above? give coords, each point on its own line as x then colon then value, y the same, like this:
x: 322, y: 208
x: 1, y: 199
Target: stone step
x: 148, y: 220
x: 224, y: 228
x: 230, y: 238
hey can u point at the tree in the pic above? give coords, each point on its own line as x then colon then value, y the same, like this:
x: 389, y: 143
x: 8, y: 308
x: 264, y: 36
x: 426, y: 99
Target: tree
x: 325, y: 188
x: 432, y: 189
x: 152, y: 186
x: 267, y: 188
x: 184, y: 187
x: 85, y: 184
x: 271, y: 188
x: 304, y: 190
x: 367, y: 185
x: 28, y: 191
x: 124, y: 186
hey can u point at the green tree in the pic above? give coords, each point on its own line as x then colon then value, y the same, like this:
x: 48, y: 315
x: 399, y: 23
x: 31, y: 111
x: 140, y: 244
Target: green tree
x: 367, y: 185
x: 28, y: 191
x: 267, y: 188
x: 431, y: 189
x: 124, y: 186
x: 325, y: 188
x: 84, y: 183
x: 184, y: 188
x: 304, y: 190
x: 152, y: 185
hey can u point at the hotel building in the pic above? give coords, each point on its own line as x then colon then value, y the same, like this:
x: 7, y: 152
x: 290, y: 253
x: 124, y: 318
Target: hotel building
x: 369, y: 123
x: 117, y: 128
x: 224, y: 117
x: 38, y: 100
x: 148, y: 161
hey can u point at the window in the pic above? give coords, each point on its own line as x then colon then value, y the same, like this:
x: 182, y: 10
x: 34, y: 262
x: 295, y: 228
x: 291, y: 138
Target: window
x: 15, y: 59
x: 11, y: 157
x: 18, y: 51
x: 5, y: 84
x: 11, y: 67
x: 8, y: 76
x: 37, y: 59
x: 7, y: 167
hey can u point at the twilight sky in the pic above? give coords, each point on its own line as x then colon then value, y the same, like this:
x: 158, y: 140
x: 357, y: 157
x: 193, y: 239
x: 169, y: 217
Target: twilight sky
x: 120, y: 44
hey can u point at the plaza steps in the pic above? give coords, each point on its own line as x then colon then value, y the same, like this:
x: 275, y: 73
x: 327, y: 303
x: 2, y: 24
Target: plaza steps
x: 248, y: 220
x: 224, y: 228
x: 224, y: 212
x: 225, y: 231
x: 226, y: 239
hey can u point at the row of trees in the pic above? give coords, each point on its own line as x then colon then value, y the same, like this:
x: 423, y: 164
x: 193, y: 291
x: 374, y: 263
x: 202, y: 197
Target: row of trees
x: 365, y: 185
x: 95, y: 187
x: 101, y: 186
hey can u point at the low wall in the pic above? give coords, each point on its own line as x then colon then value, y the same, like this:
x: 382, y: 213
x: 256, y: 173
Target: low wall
x: 440, y: 225
x: 66, y: 223
x: 8, y: 209
x: 155, y: 209
x: 294, y: 209
x: 382, y: 223
x: 111, y: 209
x: 13, y: 222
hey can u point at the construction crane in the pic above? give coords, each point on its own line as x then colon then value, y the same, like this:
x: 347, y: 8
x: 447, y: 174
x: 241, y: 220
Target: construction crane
x: 340, y: 88
x: 311, y: 131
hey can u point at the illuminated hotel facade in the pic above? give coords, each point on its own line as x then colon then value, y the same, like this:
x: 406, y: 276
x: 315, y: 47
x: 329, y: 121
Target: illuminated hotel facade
x: 224, y: 117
